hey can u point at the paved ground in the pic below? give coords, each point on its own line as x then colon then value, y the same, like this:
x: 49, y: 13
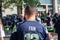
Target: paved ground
x: 55, y: 37
x: 6, y: 38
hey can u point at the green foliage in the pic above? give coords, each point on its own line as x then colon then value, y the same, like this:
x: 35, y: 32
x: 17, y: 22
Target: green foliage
x: 32, y: 2
x: 7, y: 3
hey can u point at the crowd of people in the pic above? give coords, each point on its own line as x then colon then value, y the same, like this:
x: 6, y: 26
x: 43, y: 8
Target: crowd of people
x: 10, y: 21
x: 33, y: 26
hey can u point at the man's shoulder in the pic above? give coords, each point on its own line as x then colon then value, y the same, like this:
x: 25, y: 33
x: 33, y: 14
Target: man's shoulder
x: 19, y: 23
x: 31, y: 22
x: 34, y: 23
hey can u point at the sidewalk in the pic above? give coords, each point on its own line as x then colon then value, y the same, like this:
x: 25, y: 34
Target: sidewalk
x: 55, y: 36
x: 7, y: 37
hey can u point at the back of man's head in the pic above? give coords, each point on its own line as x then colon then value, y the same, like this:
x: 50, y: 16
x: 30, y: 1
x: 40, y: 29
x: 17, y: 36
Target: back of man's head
x: 30, y: 10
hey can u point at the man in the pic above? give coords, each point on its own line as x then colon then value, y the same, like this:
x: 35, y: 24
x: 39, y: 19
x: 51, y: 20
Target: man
x: 49, y: 24
x: 31, y: 29
x: 57, y: 26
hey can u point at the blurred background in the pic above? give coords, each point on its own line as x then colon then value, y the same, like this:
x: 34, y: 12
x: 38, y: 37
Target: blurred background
x: 13, y: 10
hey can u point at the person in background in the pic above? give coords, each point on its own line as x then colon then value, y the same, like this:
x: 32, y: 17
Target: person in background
x: 57, y: 26
x: 38, y: 18
x: 49, y: 25
x: 55, y: 17
x: 2, y: 34
x: 42, y: 17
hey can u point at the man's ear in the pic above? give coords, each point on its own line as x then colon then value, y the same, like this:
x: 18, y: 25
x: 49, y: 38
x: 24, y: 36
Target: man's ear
x: 25, y: 16
x: 36, y: 14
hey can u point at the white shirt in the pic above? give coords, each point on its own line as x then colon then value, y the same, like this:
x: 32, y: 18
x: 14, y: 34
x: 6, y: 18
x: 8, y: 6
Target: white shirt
x: 2, y: 34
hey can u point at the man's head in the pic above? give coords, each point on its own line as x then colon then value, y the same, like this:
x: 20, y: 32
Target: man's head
x: 30, y: 11
x: 49, y: 14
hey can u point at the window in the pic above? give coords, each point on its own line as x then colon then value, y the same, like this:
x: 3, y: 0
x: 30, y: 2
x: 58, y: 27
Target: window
x: 46, y: 1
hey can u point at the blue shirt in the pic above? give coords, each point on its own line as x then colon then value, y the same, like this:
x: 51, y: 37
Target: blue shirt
x: 33, y: 27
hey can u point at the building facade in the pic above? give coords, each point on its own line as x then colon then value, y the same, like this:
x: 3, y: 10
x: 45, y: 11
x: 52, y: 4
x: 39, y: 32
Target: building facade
x: 9, y: 11
x: 52, y: 6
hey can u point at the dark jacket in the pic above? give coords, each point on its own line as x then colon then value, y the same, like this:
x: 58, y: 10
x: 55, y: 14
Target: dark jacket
x: 57, y: 25
x: 30, y: 27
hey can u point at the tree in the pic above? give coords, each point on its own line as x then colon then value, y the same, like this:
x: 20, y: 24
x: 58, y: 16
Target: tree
x: 0, y: 9
x: 20, y: 3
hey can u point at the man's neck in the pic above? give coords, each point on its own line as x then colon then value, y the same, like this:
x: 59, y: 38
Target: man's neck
x: 31, y: 19
x: 48, y: 16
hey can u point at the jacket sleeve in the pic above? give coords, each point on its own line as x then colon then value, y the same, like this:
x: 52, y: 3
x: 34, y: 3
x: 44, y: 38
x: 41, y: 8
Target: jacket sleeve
x: 46, y: 36
x: 14, y: 36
